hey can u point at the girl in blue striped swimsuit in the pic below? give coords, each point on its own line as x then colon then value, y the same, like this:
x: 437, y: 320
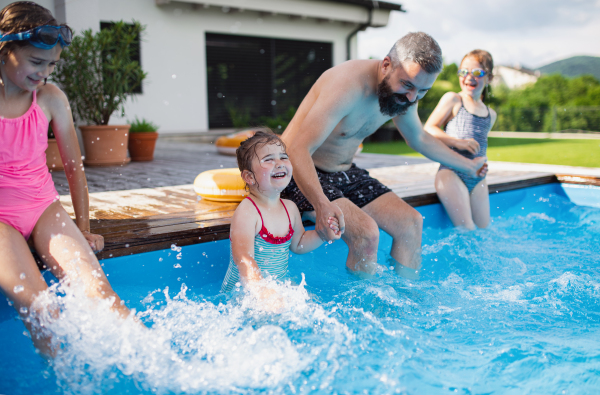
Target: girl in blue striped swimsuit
x: 265, y: 227
x: 467, y: 121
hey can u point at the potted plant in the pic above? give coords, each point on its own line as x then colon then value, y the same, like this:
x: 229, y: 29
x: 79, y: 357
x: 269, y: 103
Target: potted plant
x: 53, y: 159
x: 142, y: 140
x: 98, y: 74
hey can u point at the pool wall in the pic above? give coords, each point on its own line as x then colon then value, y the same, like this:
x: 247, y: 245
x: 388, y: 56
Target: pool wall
x: 205, y: 264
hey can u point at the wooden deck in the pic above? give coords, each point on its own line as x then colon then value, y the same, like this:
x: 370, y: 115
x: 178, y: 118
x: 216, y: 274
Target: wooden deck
x: 149, y: 219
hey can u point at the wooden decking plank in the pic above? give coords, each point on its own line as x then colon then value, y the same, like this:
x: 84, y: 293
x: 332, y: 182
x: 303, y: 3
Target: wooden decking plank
x: 145, y: 220
x: 582, y: 180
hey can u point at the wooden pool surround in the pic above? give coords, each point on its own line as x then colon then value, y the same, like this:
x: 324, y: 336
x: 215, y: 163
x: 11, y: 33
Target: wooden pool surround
x: 146, y: 220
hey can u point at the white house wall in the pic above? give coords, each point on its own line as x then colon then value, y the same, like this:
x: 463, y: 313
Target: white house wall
x: 173, y: 53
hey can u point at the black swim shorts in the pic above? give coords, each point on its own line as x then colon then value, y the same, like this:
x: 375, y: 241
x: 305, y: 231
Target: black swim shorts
x: 354, y: 184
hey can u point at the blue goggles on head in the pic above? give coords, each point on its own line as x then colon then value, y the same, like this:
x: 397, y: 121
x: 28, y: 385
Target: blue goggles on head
x: 44, y: 37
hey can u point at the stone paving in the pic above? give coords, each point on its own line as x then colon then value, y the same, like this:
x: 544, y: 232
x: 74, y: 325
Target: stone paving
x: 178, y: 162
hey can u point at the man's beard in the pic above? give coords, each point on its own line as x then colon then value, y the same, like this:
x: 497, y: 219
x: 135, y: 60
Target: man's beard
x: 387, y: 100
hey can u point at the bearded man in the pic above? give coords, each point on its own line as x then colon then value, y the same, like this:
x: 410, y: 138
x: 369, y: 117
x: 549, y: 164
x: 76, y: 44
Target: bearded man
x: 348, y: 103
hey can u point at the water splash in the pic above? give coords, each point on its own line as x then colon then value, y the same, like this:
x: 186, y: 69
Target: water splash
x: 191, y: 345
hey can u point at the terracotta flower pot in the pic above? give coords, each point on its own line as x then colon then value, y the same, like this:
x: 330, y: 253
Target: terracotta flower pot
x: 53, y: 159
x: 105, y: 145
x: 141, y: 146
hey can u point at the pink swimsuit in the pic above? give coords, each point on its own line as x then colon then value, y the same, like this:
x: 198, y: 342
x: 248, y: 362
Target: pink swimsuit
x: 26, y: 186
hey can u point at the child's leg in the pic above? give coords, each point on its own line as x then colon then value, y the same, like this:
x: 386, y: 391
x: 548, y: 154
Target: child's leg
x: 20, y: 279
x: 480, y: 204
x: 454, y: 195
x: 65, y: 251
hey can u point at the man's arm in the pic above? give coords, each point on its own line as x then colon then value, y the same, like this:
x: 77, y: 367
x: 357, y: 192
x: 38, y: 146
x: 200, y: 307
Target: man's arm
x: 304, y: 137
x: 410, y: 127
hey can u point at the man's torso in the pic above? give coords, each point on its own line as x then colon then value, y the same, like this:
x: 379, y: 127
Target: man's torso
x: 362, y: 118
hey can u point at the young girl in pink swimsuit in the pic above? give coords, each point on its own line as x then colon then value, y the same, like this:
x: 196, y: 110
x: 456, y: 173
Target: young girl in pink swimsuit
x: 31, y: 41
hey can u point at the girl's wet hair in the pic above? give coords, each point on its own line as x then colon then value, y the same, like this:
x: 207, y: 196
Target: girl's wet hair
x: 22, y: 16
x: 485, y: 59
x: 247, y: 149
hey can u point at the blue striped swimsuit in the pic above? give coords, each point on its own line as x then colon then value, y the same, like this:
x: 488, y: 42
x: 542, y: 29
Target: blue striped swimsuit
x: 271, y: 254
x: 469, y: 126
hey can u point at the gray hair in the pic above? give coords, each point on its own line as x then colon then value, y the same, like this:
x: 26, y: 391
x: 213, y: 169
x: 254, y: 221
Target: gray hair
x: 420, y: 48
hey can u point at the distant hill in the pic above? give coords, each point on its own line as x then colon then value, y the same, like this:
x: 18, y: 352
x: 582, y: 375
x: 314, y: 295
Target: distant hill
x: 573, y: 67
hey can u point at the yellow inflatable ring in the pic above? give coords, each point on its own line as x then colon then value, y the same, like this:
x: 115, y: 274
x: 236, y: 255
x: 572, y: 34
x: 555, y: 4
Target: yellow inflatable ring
x: 359, y: 149
x: 220, y: 185
x: 227, y: 145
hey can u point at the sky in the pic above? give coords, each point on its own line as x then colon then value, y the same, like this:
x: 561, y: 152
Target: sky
x: 530, y: 33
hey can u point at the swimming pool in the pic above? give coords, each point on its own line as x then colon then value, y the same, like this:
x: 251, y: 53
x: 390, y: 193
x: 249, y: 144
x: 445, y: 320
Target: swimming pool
x: 510, y: 309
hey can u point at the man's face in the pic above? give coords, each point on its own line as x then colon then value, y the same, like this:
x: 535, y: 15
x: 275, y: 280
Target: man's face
x: 402, y: 87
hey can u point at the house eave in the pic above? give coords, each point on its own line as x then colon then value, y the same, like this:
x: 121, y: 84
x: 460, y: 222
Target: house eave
x: 344, y: 11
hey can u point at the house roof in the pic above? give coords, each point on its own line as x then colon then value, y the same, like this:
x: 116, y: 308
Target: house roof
x: 373, y: 4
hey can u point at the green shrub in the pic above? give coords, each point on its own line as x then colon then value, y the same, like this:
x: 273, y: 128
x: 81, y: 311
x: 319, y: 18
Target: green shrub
x: 279, y: 123
x: 142, y: 125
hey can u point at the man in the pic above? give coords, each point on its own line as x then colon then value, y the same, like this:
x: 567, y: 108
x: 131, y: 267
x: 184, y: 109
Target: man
x: 348, y: 103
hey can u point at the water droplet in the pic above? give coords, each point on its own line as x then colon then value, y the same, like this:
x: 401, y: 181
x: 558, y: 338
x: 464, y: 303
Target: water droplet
x: 175, y: 248
x: 160, y: 259
x: 22, y: 276
x: 177, y: 266
x: 23, y: 310
x: 18, y: 288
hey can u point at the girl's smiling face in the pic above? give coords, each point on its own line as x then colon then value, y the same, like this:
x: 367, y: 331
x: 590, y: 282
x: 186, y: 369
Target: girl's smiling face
x: 272, y: 169
x: 27, y: 67
x: 469, y: 84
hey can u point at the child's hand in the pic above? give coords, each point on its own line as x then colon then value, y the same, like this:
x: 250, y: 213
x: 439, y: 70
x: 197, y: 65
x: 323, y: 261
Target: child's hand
x: 470, y: 145
x: 95, y: 241
x: 483, y: 171
x: 335, y: 226
x: 269, y: 298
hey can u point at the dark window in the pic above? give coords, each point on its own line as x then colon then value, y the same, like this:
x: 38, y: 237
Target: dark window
x: 136, y: 49
x: 252, y: 77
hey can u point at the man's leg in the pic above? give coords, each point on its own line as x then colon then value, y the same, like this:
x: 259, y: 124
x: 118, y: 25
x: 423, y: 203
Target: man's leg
x: 361, y: 236
x: 403, y: 223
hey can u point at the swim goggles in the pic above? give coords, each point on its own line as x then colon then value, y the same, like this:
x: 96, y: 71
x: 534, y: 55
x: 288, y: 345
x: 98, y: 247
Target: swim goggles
x: 475, y: 73
x: 44, y: 37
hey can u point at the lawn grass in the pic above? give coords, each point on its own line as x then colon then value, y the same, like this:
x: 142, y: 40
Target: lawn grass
x: 547, y: 151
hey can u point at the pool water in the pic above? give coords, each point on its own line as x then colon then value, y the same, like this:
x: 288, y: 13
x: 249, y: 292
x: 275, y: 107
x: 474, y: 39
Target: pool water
x: 509, y: 309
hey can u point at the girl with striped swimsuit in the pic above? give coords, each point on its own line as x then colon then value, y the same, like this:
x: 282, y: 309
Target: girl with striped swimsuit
x: 467, y: 121
x: 265, y: 227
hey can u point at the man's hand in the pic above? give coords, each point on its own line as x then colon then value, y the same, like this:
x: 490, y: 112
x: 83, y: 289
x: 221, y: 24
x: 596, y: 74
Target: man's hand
x: 469, y: 145
x: 95, y: 241
x: 323, y: 222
